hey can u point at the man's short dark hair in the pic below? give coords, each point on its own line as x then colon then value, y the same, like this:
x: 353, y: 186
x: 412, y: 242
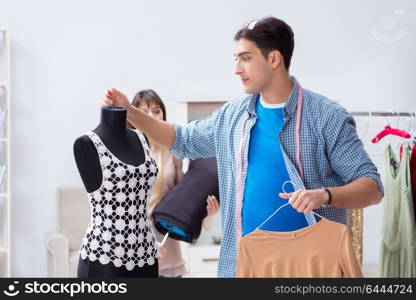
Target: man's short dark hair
x: 269, y: 34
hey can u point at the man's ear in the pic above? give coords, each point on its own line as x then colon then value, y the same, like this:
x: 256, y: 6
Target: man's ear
x: 275, y: 59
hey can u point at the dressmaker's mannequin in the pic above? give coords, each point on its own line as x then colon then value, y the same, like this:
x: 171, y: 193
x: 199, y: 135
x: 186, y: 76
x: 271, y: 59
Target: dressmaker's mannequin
x: 121, y: 141
x: 118, y: 172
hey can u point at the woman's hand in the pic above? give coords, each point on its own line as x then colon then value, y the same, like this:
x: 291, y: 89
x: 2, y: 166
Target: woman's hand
x: 212, y: 208
x: 114, y: 97
x: 212, y: 205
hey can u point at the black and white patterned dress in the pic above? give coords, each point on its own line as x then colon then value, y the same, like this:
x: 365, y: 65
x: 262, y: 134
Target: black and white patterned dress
x: 119, y: 231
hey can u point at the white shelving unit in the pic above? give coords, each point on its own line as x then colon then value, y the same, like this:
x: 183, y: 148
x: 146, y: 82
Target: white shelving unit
x: 5, y: 155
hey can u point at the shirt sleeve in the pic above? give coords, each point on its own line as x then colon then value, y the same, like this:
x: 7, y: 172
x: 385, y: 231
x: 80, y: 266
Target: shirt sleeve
x: 244, y: 267
x: 347, y: 258
x: 345, y: 150
x: 197, y: 139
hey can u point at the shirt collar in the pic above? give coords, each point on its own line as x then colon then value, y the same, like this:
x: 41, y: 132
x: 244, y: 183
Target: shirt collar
x: 290, y: 105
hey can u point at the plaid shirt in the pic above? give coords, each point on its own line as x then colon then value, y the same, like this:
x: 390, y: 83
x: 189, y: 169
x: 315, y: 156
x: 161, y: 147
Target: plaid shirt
x: 331, y: 153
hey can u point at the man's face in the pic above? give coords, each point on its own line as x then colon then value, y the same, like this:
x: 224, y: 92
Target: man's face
x: 254, y: 70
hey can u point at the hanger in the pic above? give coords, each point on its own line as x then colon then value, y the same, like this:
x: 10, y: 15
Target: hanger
x: 412, y: 129
x: 388, y: 130
x: 280, y: 207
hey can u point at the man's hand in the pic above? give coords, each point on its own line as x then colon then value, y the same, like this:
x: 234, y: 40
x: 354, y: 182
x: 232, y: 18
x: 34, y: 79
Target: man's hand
x: 114, y: 97
x: 305, y: 201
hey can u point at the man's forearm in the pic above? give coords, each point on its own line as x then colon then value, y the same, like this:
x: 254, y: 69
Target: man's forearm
x: 161, y: 132
x: 357, y: 194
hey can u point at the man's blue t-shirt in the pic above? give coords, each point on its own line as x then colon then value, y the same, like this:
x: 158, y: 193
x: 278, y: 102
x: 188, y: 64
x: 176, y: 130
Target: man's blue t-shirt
x: 266, y: 175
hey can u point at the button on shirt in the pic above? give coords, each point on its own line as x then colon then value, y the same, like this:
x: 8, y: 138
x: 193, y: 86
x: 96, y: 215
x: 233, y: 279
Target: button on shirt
x: 266, y: 175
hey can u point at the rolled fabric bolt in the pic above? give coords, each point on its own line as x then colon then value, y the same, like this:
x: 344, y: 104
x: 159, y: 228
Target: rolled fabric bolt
x: 176, y: 212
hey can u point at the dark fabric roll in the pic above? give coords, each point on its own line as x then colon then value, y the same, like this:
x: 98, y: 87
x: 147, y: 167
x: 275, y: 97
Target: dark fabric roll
x: 183, y: 208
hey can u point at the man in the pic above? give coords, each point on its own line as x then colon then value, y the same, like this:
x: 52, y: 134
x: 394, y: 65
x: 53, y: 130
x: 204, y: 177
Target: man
x: 269, y: 138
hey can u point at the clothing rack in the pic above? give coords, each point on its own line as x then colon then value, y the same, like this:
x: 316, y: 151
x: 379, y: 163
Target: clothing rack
x: 383, y: 113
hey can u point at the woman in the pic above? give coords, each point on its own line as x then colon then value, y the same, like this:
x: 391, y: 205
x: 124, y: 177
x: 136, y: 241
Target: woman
x: 170, y: 172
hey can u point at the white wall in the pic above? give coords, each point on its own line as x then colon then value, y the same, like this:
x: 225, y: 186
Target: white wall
x: 65, y: 53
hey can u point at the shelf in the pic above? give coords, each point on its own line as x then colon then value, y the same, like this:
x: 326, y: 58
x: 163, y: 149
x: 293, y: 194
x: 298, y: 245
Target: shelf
x: 4, y: 140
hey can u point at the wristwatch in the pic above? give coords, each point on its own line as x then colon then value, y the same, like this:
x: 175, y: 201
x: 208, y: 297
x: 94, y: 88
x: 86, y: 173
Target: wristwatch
x: 328, y: 203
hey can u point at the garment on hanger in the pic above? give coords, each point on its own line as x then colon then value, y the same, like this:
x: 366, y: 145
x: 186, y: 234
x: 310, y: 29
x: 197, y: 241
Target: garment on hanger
x: 413, y: 176
x: 398, y: 232
x: 119, y: 231
x: 323, y: 249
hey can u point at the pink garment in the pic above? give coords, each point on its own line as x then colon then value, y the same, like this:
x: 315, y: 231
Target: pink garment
x: 173, y: 264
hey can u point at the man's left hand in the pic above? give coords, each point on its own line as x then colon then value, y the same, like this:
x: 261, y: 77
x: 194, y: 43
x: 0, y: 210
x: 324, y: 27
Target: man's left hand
x: 304, y: 201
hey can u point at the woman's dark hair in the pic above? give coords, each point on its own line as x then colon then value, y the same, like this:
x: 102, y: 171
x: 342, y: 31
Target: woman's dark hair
x: 148, y: 96
x: 269, y: 34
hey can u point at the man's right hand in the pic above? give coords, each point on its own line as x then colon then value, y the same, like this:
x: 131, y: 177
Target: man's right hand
x: 161, y: 132
x: 114, y: 97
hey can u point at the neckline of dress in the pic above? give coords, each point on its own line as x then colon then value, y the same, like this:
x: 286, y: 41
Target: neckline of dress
x: 112, y: 154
